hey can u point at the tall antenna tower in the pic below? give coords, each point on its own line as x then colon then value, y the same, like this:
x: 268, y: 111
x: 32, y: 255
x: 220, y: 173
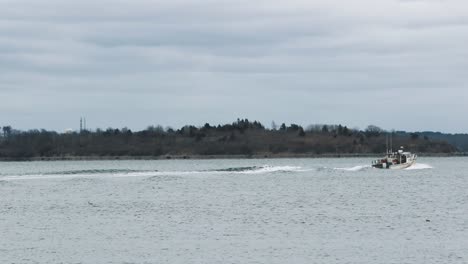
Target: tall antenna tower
x: 386, y: 142
x: 81, y: 124
x: 391, y: 142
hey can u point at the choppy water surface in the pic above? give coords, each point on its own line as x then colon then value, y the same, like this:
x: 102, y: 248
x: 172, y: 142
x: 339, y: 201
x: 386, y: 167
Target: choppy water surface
x: 233, y: 211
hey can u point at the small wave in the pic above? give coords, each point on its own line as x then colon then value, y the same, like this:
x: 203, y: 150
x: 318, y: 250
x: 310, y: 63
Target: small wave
x: 271, y: 169
x: 95, y: 171
x: 3, y: 182
x: 419, y: 166
x: 355, y: 168
x: 83, y: 179
x: 238, y: 169
x: 81, y: 174
x: 257, y: 169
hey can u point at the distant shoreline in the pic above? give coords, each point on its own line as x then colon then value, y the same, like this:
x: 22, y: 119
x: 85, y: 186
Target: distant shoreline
x: 242, y: 139
x: 208, y: 157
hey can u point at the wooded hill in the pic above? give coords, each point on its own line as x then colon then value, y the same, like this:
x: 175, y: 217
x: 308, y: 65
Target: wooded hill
x: 239, y: 138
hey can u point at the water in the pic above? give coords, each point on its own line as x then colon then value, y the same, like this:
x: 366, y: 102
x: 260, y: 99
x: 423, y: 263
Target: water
x: 233, y: 211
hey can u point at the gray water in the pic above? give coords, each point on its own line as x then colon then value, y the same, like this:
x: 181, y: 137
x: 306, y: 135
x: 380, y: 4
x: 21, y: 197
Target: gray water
x: 233, y: 211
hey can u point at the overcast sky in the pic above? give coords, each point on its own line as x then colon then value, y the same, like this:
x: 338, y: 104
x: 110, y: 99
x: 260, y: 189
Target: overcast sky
x: 397, y: 64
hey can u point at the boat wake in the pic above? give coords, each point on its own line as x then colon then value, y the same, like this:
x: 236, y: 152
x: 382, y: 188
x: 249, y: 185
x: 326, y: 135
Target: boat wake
x: 262, y: 169
x: 355, y: 168
x: 419, y: 166
x: 251, y: 170
x: 266, y: 169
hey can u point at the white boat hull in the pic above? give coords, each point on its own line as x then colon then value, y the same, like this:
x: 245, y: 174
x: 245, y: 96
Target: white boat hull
x: 402, y: 166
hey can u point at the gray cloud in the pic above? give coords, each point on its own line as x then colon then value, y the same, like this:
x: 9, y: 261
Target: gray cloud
x: 135, y: 63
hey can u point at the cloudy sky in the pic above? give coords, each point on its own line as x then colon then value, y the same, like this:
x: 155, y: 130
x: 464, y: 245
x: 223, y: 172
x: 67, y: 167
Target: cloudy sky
x: 398, y: 64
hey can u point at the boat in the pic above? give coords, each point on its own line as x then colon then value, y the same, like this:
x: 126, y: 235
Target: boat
x: 395, y: 160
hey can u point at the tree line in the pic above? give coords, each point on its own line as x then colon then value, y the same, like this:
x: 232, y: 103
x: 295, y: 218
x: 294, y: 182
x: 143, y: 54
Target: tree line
x: 242, y: 137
